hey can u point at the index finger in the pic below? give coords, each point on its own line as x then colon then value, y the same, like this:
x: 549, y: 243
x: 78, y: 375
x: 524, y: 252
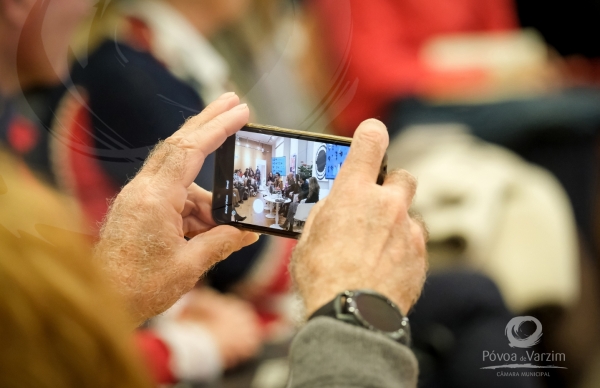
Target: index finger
x: 222, y: 104
x: 207, y: 138
x: 368, y: 147
x: 182, y: 160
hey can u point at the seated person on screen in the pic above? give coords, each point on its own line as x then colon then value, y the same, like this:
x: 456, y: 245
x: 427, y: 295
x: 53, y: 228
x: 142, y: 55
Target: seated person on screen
x: 313, y: 197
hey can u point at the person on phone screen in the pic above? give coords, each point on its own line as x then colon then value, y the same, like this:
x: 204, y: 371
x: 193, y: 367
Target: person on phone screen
x: 312, y: 197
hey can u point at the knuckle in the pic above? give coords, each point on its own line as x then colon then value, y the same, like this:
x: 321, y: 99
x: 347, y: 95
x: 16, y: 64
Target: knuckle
x: 149, y: 202
x: 214, y: 124
x: 225, y: 249
x: 405, y: 179
x: 409, y: 178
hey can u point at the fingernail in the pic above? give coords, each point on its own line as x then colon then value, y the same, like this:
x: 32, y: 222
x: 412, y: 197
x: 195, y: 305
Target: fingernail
x: 227, y: 96
x: 241, y: 107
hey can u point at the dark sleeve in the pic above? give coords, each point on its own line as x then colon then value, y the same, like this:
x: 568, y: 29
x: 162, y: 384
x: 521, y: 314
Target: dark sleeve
x: 461, y: 314
x: 134, y: 103
x: 328, y: 353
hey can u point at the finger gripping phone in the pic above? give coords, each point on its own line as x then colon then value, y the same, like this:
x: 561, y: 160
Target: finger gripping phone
x: 268, y: 179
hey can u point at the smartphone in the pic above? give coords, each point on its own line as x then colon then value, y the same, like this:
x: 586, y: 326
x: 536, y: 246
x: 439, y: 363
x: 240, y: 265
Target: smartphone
x: 268, y: 179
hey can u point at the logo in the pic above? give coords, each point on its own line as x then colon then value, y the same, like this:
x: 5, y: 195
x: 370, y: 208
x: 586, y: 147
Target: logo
x: 523, y: 357
x: 513, y: 332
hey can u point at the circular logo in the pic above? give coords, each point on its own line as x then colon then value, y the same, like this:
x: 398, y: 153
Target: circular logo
x: 514, y: 335
x: 321, y: 161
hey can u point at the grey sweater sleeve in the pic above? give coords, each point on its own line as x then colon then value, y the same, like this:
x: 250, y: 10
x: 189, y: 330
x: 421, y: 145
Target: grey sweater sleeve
x: 329, y: 353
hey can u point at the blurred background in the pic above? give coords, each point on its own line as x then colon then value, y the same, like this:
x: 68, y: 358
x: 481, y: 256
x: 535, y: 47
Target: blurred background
x: 493, y: 105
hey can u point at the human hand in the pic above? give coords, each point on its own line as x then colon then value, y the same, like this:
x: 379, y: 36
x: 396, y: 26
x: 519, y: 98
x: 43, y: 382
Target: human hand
x: 361, y: 235
x: 232, y: 322
x: 142, y: 245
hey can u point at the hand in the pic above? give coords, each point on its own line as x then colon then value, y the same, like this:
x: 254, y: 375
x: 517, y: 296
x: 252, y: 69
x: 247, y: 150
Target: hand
x: 142, y: 245
x: 361, y: 236
x: 232, y: 322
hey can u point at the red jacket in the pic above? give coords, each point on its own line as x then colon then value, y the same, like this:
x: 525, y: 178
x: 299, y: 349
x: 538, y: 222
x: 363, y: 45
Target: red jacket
x: 377, y: 43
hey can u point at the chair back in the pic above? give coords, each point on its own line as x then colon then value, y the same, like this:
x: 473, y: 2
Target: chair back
x: 302, y: 211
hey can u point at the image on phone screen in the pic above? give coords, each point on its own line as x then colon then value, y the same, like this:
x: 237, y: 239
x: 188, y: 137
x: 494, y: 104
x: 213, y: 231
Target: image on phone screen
x: 275, y: 179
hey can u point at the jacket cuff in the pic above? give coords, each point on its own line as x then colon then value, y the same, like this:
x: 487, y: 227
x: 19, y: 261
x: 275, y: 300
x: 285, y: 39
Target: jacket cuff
x: 330, y: 353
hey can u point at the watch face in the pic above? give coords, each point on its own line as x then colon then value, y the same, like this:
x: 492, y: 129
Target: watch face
x: 378, y: 313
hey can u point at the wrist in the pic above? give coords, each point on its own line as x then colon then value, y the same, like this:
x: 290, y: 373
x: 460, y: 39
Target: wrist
x: 370, y: 310
x: 312, y: 304
x: 316, y: 300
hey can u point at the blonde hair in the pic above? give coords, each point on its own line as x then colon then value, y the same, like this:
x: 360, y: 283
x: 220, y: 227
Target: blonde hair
x: 60, y: 324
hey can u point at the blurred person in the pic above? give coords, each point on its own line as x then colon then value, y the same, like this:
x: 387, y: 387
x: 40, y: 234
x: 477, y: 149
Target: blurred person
x: 236, y: 197
x: 27, y: 60
x: 460, y: 307
x: 304, y: 189
x: 291, y: 188
x: 240, y: 183
x: 258, y: 178
x: 393, y: 62
x: 278, y: 182
x: 270, y: 178
x: 312, y: 197
x: 251, y: 185
x: 62, y: 325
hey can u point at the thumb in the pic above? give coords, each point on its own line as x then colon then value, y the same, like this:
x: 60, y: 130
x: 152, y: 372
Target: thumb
x: 206, y: 249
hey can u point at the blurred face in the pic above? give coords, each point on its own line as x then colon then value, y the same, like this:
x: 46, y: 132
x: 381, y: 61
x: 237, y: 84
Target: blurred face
x: 42, y: 54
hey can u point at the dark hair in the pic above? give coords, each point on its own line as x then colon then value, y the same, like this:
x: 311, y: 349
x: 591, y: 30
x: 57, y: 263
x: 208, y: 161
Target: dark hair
x: 313, y: 186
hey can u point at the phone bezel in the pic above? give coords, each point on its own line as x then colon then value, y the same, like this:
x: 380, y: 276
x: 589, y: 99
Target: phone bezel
x: 224, y: 157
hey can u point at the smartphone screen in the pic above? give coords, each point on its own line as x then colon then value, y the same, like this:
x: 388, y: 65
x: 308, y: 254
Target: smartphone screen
x: 268, y: 179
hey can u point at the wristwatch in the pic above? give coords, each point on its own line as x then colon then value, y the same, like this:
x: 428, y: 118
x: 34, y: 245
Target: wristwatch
x: 368, y: 309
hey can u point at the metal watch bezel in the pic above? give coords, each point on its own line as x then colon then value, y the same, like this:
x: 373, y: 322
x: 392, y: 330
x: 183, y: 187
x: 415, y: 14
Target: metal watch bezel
x: 346, y: 309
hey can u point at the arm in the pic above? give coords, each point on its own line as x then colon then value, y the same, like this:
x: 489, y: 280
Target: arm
x: 358, y: 242
x: 329, y: 353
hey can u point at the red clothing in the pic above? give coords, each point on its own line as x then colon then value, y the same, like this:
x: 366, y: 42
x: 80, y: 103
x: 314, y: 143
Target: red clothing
x: 157, y: 356
x: 377, y: 44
